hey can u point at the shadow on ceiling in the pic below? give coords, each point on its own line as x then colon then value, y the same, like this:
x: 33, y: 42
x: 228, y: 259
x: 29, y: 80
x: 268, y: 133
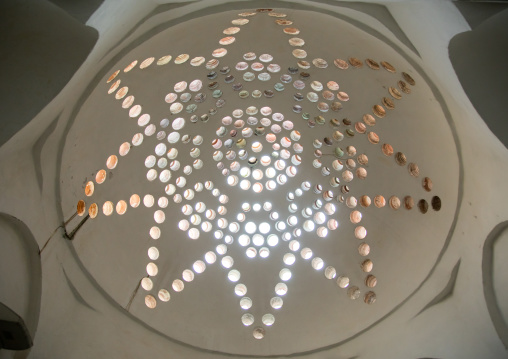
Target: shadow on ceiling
x: 479, y: 60
x: 41, y: 49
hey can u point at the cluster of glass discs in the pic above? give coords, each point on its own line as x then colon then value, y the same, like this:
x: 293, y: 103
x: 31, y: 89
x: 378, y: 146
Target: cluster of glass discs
x: 255, y: 149
x: 264, y: 162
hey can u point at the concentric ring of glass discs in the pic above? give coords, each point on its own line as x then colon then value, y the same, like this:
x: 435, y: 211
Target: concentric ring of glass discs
x: 269, y: 145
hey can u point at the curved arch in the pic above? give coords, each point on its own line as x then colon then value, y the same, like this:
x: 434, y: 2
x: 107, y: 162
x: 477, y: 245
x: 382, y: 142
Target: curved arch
x: 20, y: 264
x: 499, y: 233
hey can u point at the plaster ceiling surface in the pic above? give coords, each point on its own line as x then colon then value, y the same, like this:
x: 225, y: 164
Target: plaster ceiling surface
x: 316, y: 312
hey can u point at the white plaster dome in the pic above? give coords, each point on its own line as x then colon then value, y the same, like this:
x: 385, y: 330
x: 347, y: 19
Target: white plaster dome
x: 208, y: 238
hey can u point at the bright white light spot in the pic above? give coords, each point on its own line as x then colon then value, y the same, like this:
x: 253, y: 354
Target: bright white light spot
x: 222, y: 223
x: 150, y: 161
x: 160, y: 149
x: 174, y: 165
x: 177, y: 285
x: 257, y: 187
x: 153, y: 253
x: 245, y: 184
x: 276, y: 302
x: 251, y: 252
x: 147, y: 284
x: 333, y: 224
x: 221, y: 249
x: 266, y: 160
x: 165, y: 176
x: 264, y: 252
x: 247, y: 319
x: 228, y: 239
x: 210, y: 214
x: 218, y: 234
x: 148, y: 200
x: 281, y: 289
x: 155, y: 232
x: 227, y: 262
x: 245, y: 303
x: 181, y: 182
x: 317, y: 263
x: 308, y: 226
x: 330, y: 208
x: 256, y: 207
x: 343, y: 282
x: 188, y: 275
x: 234, y: 275
x: 257, y: 147
x: 164, y: 295
x: 162, y: 162
x: 152, y: 269
x: 272, y: 240
x: 292, y: 221
x: 232, y: 180
x: 258, y: 240
x: 245, y: 172
x: 280, y: 226
x: 270, y: 172
x: 330, y: 272
x: 294, y: 245
x: 159, y: 216
x: 200, y: 207
x: 246, y: 207
x: 280, y: 165
x: 240, y: 290
x: 306, y: 253
x: 206, y: 226
x: 234, y: 227
x: 268, y: 319
x: 193, y: 233
x: 258, y: 333
x: 170, y: 189
x: 250, y: 227
x: 319, y: 218
x: 264, y: 228
x: 210, y: 258
x: 257, y: 174
x: 222, y: 210
x: 244, y: 240
x: 282, y: 179
x: 200, y: 266
x: 163, y: 202
x: 195, y: 219
x: 285, y: 274
x: 187, y: 210
x: 289, y: 259
x: 322, y: 232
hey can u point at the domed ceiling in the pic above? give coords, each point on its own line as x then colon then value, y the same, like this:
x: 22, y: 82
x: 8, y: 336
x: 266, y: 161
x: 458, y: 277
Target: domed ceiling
x: 261, y: 182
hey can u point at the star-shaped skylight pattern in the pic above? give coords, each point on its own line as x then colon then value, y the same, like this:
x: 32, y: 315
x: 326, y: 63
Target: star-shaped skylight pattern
x: 290, y: 170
